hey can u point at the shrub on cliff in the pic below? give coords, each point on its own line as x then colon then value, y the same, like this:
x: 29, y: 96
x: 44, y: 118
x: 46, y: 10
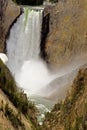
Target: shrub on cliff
x: 14, y: 118
x: 71, y: 113
x: 16, y: 95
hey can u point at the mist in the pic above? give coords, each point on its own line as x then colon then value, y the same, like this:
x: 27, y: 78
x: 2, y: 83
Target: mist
x: 33, y: 76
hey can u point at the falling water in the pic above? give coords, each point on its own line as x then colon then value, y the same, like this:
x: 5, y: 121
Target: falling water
x: 23, y: 48
x: 24, y: 40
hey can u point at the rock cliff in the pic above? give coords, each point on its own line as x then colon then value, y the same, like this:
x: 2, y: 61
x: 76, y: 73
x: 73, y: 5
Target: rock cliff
x: 67, y: 38
x: 8, y: 13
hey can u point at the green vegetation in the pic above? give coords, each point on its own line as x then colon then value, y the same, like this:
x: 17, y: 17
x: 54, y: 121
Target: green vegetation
x: 14, y: 118
x: 16, y: 95
x: 57, y: 107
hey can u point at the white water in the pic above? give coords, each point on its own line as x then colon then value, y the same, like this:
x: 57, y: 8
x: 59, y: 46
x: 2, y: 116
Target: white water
x: 23, y: 43
x: 4, y: 58
x: 23, y: 48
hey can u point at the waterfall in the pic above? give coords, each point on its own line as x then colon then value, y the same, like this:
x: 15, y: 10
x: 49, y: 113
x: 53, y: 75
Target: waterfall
x: 23, y: 48
x: 24, y: 40
x: 30, y: 71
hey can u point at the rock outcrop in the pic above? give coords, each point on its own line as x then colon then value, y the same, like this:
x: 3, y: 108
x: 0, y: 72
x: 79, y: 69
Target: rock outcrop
x: 8, y: 14
x: 67, y: 38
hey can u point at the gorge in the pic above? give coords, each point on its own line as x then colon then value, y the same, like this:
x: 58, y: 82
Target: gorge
x: 30, y: 71
x: 45, y: 48
x: 25, y: 63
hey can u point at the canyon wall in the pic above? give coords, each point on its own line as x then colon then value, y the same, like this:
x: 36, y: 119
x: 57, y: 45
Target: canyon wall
x: 66, y: 41
x: 71, y: 113
x: 8, y: 13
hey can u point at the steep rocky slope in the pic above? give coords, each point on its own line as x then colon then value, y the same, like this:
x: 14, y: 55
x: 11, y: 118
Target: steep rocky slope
x: 6, y: 121
x: 71, y: 113
x: 8, y: 13
x: 67, y: 38
x: 16, y: 111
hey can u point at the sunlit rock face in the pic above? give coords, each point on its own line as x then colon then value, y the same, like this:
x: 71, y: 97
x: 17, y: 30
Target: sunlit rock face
x: 8, y: 13
x: 67, y: 39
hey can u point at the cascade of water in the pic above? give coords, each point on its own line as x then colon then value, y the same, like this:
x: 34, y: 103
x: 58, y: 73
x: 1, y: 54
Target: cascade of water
x: 23, y: 48
x: 24, y: 38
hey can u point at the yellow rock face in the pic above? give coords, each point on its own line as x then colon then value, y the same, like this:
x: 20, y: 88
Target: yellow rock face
x: 67, y: 39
